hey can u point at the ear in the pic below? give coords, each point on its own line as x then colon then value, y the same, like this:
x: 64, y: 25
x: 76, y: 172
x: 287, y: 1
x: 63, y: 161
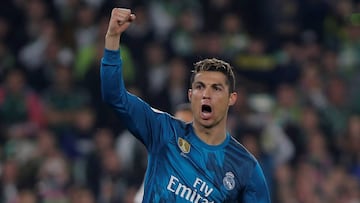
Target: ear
x: 189, y: 94
x: 233, y: 98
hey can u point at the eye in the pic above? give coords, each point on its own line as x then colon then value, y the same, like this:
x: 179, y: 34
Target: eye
x: 217, y: 88
x: 198, y: 86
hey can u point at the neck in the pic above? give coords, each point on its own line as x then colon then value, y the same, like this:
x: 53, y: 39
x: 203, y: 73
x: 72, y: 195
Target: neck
x: 214, y: 135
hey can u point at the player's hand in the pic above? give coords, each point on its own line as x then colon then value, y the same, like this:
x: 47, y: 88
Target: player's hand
x: 119, y: 21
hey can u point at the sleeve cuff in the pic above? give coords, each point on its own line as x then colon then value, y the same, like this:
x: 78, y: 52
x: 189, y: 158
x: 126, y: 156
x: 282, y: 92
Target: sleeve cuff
x: 111, y: 56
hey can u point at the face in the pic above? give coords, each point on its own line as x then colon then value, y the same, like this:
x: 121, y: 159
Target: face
x: 210, y: 98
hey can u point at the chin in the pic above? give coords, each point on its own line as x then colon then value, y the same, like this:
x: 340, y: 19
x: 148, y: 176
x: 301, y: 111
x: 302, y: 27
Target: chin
x: 207, y: 124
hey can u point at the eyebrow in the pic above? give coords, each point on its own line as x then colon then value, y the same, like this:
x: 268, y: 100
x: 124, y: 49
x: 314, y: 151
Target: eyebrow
x: 218, y: 84
x: 214, y: 84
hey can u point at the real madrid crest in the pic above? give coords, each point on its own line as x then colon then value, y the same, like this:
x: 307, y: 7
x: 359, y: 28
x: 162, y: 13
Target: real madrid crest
x: 184, y: 145
x: 228, y: 181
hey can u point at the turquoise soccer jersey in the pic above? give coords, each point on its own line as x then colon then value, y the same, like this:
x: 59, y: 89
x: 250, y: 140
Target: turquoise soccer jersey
x: 181, y: 167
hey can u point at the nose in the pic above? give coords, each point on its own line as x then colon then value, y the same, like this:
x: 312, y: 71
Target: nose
x: 206, y: 93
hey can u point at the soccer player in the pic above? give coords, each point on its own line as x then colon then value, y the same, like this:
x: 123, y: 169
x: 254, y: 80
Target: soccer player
x: 187, y: 162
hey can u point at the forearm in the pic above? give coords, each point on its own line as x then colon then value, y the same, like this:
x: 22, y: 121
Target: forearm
x: 112, y: 42
x: 112, y: 85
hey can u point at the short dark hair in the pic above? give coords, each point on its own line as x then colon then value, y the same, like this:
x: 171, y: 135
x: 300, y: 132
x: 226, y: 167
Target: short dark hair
x: 215, y: 65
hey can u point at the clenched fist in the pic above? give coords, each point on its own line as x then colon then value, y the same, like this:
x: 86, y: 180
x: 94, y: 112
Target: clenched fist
x: 119, y: 21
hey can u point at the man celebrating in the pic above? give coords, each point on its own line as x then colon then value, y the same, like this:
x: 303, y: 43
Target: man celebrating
x: 187, y: 162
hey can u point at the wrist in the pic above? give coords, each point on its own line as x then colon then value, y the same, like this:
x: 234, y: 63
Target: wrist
x: 112, y: 35
x: 112, y: 41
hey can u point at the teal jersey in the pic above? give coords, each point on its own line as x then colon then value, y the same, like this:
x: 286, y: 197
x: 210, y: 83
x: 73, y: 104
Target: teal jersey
x: 181, y: 167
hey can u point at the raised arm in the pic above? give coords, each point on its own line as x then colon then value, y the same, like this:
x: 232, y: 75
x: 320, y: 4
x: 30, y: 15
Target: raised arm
x: 135, y: 114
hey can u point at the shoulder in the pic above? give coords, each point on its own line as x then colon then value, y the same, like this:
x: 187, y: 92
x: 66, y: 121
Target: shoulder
x: 181, y: 128
x: 236, y: 154
x: 236, y: 148
x: 169, y: 124
x: 171, y: 129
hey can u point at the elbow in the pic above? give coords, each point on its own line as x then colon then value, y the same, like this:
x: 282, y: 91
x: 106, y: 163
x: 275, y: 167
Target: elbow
x: 113, y: 98
x: 105, y: 97
x: 109, y: 97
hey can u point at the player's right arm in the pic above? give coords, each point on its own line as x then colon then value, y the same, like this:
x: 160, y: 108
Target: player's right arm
x: 135, y: 114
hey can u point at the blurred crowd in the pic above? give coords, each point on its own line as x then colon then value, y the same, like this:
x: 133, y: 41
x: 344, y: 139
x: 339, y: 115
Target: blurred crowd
x: 298, y: 78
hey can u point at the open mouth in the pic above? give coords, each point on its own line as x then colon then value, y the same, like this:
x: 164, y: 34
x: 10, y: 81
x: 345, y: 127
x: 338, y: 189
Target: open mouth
x: 206, y: 108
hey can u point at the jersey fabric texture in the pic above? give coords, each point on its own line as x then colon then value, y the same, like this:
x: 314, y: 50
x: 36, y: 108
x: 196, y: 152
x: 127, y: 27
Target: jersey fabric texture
x: 181, y: 167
